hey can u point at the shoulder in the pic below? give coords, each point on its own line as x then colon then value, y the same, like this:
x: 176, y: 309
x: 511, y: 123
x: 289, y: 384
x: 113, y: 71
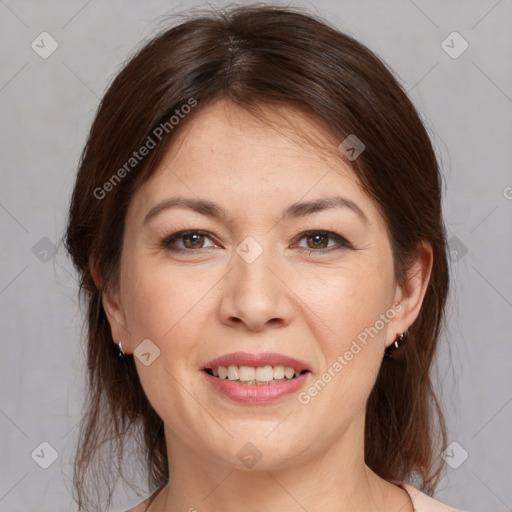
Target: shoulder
x: 424, y: 503
x: 143, y: 505
x: 140, y: 507
x: 420, y: 501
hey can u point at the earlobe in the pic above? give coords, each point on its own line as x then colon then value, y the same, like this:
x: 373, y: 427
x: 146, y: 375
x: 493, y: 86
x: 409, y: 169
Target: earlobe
x: 115, y: 315
x: 412, y: 292
x: 113, y: 309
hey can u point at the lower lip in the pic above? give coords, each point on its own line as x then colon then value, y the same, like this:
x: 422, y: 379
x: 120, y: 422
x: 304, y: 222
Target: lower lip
x: 256, y: 393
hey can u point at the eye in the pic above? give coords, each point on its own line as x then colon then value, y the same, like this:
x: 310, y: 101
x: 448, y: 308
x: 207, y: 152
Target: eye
x: 318, y: 241
x: 190, y: 239
x: 193, y: 239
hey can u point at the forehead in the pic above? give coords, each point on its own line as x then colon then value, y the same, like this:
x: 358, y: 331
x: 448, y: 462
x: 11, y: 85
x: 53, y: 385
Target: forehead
x: 226, y: 154
x: 228, y: 131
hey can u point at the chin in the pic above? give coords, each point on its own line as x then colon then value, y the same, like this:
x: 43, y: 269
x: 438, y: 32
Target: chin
x: 258, y: 452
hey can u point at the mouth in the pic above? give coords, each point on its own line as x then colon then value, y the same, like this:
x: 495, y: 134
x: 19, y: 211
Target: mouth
x: 255, y: 378
x: 255, y: 374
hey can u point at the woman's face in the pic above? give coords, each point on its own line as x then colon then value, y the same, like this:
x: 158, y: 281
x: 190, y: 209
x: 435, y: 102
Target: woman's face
x: 251, y: 279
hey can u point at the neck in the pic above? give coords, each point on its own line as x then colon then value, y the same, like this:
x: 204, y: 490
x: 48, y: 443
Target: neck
x: 335, y: 480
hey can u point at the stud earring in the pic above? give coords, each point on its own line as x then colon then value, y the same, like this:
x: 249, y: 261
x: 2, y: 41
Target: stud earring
x: 399, y: 340
x: 392, y: 351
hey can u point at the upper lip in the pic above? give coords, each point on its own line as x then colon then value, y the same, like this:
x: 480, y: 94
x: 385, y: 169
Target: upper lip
x: 262, y: 359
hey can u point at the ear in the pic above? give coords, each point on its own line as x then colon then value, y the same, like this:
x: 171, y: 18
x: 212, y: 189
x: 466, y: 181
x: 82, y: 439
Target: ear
x: 410, y: 295
x: 112, y: 305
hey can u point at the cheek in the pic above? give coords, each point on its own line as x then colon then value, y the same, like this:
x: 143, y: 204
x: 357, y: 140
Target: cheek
x: 352, y: 306
x: 350, y: 332
x: 167, y: 307
x: 348, y: 301
x: 163, y: 303
x: 149, y: 309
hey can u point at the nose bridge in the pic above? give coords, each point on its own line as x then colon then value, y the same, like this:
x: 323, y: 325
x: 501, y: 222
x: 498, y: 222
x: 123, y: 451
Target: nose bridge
x: 255, y: 296
x: 253, y: 279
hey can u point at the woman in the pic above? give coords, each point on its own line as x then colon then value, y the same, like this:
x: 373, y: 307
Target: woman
x: 257, y: 223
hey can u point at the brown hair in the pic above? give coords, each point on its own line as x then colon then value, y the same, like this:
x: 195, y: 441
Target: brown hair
x: 255, y: 55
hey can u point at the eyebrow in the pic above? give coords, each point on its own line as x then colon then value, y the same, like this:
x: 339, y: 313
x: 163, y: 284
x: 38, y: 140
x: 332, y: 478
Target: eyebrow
x: 299, y: 209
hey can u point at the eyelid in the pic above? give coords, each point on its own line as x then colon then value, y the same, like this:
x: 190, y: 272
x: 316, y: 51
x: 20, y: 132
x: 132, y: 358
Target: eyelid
x: 177, y: 235
x: 342, y: 241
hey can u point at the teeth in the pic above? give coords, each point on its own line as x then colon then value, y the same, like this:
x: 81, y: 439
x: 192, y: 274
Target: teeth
x: 233, y: 372
x: 247, y: 373
x: 256, y: 375
x: 289, y: 372
x: 265, y: 373
x: 279, y: 372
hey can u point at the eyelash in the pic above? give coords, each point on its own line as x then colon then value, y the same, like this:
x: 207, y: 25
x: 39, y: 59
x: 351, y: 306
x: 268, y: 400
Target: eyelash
x: 343, y: 243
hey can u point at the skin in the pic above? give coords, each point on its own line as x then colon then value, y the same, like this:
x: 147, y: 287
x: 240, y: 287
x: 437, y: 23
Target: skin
x: 209, y: 301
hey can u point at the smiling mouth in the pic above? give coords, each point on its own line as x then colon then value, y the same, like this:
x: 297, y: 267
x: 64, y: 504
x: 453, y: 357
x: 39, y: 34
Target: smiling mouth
x: 255, y: 374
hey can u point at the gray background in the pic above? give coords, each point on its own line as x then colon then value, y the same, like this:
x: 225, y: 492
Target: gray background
x: 47, y: 106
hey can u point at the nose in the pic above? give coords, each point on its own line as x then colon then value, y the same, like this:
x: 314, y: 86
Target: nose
x: 256, y: 296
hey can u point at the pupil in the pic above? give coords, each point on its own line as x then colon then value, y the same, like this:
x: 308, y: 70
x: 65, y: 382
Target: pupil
x: 316, y: 239
x: 192, y: 237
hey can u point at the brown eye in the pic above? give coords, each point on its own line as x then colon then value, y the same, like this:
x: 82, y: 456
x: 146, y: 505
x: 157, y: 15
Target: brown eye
x: 318, y: 241
x: 195, y: 241
x: 186, y: 240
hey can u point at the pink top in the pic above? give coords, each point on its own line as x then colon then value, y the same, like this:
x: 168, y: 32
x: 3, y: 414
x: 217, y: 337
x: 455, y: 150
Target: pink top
x: 421, y: 502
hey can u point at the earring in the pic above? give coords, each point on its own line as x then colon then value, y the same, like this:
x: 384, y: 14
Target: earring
x: 399, y: 340
x: 121, y: 351
x: 391, y: 352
